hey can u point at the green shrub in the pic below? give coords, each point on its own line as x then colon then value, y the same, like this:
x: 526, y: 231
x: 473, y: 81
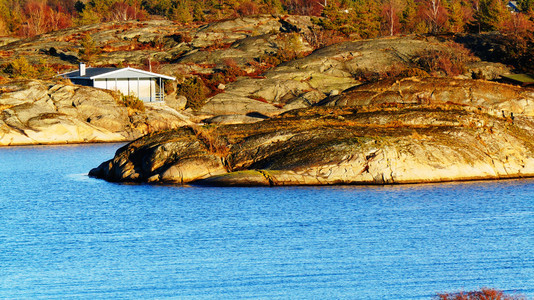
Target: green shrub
x: 194, y: 89
x: 289, y: 46
x: 20, y: 67
x: 44, y: 70
x: 132, y: 102
x: 88, y: 51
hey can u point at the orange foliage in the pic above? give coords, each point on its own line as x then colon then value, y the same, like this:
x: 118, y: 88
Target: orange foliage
x: 248, y: 8
x: 435, y: 14
x: 483, y: 294
x: 6, y: 53
x: 122, y: 11
x: 40, y: 18
x: 305, y: 7
x: 518, y: 24
x: 259, y: 98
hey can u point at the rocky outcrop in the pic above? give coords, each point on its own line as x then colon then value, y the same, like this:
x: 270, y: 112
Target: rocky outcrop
x: 303, y: 82
x: 37, y: 112
x: 255, y: 46
x: 250, y: 43
x: 497, y: 99
x: 382, y: 142
x: 133, y: 42
x: 178, y: 156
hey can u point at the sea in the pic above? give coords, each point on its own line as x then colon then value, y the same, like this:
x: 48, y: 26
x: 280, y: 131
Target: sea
x: 64, y: 235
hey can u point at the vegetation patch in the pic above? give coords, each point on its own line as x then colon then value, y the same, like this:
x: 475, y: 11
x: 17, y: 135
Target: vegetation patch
x: 196, y: 92
x: 483, y: 294
x: 209, y: 135
x: 132, y: 102
x: 451, y: 62
x: 259, y: 98
x: 22, y: 68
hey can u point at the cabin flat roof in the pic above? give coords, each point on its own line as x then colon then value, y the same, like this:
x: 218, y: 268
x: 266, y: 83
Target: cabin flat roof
x: 102, y: 73
x: 89, y: 72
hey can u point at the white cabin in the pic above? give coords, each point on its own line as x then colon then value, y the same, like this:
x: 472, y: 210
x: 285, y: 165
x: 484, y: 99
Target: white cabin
x: 147, y: 86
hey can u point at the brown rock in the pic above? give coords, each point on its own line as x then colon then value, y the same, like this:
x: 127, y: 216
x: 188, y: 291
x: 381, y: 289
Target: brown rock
x: 380, y: 143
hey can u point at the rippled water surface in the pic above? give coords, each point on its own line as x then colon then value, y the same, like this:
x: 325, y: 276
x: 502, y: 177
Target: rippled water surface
x: 64, y: 235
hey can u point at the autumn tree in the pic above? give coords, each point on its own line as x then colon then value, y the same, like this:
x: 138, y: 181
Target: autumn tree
x: 461, y: 14
x: 38, y: 18
x: 111, y: 10
x: 391, y: 13
x: 305, y: 7
x: 434, y: 13
x: 518, y: 24
x: 489, y: 15
x: 10, y: 16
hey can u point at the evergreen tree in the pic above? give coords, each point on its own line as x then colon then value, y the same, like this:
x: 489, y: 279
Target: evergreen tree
x: 408, y: 18
x: 489, y: 15
x: 366, y: 17
x: 88, y: 51
x: 526, y: 6
x: 181, y: 13
x: 460, y: 15
x: 158, y: 7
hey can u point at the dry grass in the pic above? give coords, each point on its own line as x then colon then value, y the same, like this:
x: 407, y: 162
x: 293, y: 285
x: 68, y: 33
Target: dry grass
x: 132, y: 103
x: 212, y: 139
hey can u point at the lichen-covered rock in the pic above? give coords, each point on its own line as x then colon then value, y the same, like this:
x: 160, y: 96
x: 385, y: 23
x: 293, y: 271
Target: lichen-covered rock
x: 175, y: 157
x: 379, y: 143
x: 327, y: 71
x: 492, y: 97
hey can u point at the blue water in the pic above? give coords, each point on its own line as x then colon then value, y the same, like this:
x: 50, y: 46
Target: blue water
x: 64, y: 235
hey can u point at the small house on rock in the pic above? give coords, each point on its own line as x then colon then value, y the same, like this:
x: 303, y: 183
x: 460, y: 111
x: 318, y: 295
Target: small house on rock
x: 147, y: 86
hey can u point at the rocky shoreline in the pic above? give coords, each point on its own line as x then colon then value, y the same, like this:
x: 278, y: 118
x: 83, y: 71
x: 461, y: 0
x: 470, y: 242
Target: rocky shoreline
x: 255, y: 103
x: 39, y: 112
x: 384, y: 142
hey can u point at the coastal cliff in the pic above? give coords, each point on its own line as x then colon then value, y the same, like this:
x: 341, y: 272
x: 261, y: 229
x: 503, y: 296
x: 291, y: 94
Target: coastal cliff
x: 382, y: 141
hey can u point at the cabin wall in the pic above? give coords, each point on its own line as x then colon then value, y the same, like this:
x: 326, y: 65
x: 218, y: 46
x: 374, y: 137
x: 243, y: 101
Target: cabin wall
x: 143, y: 88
